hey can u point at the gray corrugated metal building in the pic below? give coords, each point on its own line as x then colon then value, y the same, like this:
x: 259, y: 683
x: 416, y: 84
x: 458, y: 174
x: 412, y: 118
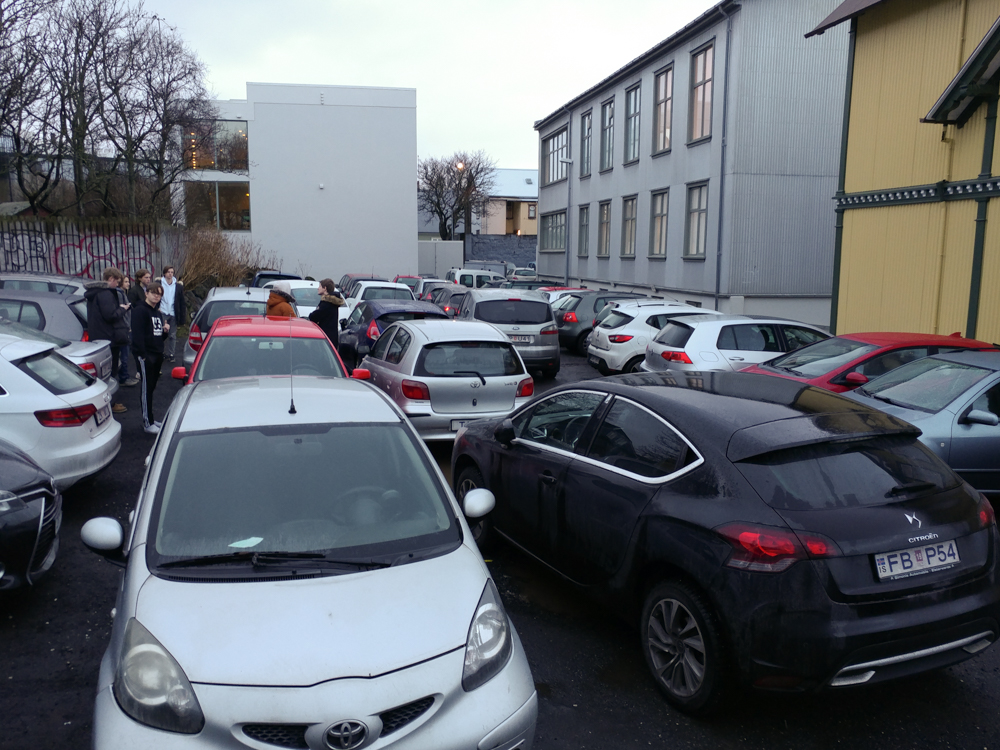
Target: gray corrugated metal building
x: 705, y: 168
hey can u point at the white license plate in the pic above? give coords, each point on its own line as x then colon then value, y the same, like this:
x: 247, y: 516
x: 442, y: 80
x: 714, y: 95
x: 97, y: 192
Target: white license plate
x: 594, y: 360
x: 916, y: 560
x: 519, y: 339
x: 102, y: 414
x: 457, y: 424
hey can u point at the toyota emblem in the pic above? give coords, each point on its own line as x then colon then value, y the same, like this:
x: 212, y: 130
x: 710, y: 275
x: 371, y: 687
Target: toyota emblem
x: 346, y: 735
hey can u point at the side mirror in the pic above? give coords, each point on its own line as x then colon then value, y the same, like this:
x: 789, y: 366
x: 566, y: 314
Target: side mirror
x: 179, y: 373
x: 981, y: 416
x: 477, y: 503
x: 854, y: 379
x: 361, y: 374
x: 504, y: 433
x: 105, y: 536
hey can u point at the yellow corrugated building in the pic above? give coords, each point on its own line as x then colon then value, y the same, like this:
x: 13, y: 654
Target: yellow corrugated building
x: 918, y: 209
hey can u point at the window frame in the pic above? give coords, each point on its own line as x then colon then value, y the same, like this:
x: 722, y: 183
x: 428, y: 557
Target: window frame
x: 659, y: 223
x: 663, y: 110
x: 552, y: 232
x: 583, y: 232
x: 586, y: 141
x: 707, y: 84
x: 604, y: 229
x: 552, y: 163
x: 607, y: 135
x: 630, y: 153
x: 630, y: 217
x: 700, y: 211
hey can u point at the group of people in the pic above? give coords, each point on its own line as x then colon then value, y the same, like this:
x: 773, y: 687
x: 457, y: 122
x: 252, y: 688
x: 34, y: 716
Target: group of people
x: 141, y: 318
x: 326, y: 315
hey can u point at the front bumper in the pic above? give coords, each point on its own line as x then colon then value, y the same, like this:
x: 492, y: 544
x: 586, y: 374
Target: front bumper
x: 421, y: 707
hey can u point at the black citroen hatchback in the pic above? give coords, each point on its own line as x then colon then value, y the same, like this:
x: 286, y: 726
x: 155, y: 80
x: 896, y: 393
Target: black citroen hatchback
x: 758, y: 531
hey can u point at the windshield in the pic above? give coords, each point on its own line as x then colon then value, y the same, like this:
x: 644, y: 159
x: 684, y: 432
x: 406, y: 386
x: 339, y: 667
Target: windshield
x: 845, y: 474
x: 926, y: 384
x: 231, y: 307
x: 513, y: 312
x: 241, y: 356
x: 822, y: 357
x: 462, y: 358
x: 306, y: 295
x: 23, y: 332
x: 384, y: 292
x: 351, y: 491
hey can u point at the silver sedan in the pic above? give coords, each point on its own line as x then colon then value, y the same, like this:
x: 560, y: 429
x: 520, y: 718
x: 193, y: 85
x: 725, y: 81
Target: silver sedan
x: 443, y: 374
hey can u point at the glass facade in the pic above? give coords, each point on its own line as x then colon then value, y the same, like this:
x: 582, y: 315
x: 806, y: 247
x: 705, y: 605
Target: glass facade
x: 217, y: 144
x: 224, y: 205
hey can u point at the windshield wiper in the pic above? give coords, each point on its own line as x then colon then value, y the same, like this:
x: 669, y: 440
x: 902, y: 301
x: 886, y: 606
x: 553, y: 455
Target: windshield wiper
x: 908, y: 487
x: 254, y: 558
x: 884, y: 398
x: 471, y: 372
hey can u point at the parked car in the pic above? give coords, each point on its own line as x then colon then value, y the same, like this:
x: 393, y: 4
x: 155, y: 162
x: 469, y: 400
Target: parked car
x: 526, y: 318
x: 220, y: 301
x: 303, y: 577
x: 954, y: 399
x: 410, y: 281
x: 367, y: 290
x: 449, y: 298
x: 249, y: 346
x: 54, y: 411
x: 348, y: 280
x: 725, y: 342
x: 28, y: 281
x: 92, y: 356
x: 262, y: 278
x: 554, y: 293
x: 474, y: 278
x: 758, y: 532
x: 523, y: 274
x: 524, y: 284
x: 424, y: 290
x: 443, y: 374
x: 618, y: 343
x: 305, y: 293
x: 62, y: 315
x: 844, y: 362
x: 371, y: 317
x: 30, y: 517
x: 575, y: 315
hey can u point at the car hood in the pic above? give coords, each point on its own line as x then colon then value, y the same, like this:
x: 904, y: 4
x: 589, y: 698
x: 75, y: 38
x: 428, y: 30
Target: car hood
x: 303, y: 632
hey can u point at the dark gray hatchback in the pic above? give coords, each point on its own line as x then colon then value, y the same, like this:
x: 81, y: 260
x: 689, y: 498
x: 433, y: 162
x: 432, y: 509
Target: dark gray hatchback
x: 754, y: 528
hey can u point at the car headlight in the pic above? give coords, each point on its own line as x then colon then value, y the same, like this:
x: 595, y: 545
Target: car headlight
x: 151, y: 687
x: 489, y: 645
x: 10, y: 502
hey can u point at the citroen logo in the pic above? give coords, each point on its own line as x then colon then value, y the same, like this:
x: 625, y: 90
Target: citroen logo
x: 346, y: 735
x: 913, y: 518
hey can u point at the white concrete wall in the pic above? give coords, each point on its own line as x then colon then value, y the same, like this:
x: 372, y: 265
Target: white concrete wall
x: 360, y: 144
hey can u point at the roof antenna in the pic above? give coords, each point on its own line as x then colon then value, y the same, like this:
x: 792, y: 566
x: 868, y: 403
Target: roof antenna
x: 291, y: 371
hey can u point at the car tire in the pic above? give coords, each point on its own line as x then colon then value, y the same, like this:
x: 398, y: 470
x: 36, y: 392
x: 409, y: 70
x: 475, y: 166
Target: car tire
x: 633, y: 364
x: 684, y: 649
x: 582, y: 342
x: 550, y: 372
x: 470, y: 478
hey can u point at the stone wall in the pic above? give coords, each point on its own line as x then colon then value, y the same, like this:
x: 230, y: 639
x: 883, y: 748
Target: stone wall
x: 517, y: 249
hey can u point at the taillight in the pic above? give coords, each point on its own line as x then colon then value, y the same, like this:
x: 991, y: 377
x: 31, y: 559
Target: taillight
x: 549, y: 330
x: 619, y: 338
x: 415, y: 391
x: 525, y: 388
x: 89, y: 367
x: 195, y: 337
x: 676, y: 357
x: 766, y: 549
x: 570, y: 317
x: 447, y: 309
x: 986, y: 515
x: 86, y: 336
x: 70, y: 417
x: 372, y: 332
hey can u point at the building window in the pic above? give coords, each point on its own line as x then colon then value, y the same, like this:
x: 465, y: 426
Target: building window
x: 663, y: 86
x: 217, y: 144
x: 632, y: 125
x: 697, y: 221
x: 532, y: 208
x: 585, y: 138
x: 553, y: 151
x: 223, y: 205
x: 607, y: 134
x: 658, y: 226
x: 604, y: 229
x: 701, y: 94
x: 583, y: 237
x: 553, y: 234
x: 628, y: 227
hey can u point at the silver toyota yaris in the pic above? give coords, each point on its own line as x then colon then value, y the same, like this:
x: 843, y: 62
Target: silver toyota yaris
x: 298, y: 574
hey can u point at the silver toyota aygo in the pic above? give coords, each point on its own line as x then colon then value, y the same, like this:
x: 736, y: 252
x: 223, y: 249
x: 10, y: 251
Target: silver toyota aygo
x: 298, y: 574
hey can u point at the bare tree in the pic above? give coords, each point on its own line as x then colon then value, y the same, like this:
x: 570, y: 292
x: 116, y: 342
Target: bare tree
x: 456, y: 186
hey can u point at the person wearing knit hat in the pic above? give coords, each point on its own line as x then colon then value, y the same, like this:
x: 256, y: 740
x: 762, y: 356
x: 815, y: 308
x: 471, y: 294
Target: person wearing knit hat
x: 280, y: 302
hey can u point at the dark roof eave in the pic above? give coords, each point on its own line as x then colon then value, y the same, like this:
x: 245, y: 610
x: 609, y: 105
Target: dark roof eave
x: 705, y: 20
x: 974, y: 84
x: 844, y: 12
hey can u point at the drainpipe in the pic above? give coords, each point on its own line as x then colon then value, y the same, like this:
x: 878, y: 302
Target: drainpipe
x: 975, y: 287
x: 569, y: 185
x: 838, y: 241
x: 722, y: 169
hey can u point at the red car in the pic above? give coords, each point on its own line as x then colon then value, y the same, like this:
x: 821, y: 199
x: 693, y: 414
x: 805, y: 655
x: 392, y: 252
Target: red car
x: 244, y: 345
x: 842, y: 363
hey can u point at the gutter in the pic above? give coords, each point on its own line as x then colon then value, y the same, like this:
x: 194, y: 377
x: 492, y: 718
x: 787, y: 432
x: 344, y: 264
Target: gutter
x: 722, y: 167
x: 838, y: 243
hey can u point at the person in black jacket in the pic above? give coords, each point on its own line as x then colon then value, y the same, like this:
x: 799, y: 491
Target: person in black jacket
x: 136, y: 296
x: 327, y: 312
x: 106, y: 318
x: 148, y: 332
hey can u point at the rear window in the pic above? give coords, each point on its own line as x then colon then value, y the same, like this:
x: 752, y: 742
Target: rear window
x: 674, y: 334
x: 390, y: 318
x: 27, y: 285
x: 616, y: 319
x: 23, y: 332
x: 566, y: 303
x: 926, y: 384
x: 822, y: 357
x: 56, y: 373
x: 376, y: 292
x: 242, y: 356
x: 79, y: 308
x: 215, y: 310
x: 850, y: 474
x: 306, y: 295
x: 464, y: 358
x: 514, y: 312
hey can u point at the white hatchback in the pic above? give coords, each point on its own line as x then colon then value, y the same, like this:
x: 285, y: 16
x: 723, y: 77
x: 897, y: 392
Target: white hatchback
x: 364, y: 290
x: 54, y: 411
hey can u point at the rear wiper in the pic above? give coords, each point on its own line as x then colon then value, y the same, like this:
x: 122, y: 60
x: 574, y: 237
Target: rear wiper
x: 907, y: 487
x: 471, y: 372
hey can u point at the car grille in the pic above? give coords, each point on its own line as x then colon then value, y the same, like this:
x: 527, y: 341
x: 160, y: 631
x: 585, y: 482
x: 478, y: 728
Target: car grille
x: 281, y: 735
x: 47, y: 531
x: 399, y: 717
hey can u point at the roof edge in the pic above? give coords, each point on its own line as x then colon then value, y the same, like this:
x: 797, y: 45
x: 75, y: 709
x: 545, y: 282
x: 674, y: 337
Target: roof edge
x: 844, y: 12
x: 974, y: 84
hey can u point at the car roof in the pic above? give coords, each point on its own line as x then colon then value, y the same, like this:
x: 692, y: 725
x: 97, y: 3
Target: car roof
x: 293, y: 283
x: 894, y: 338
x: 261, y: 325
x: 30, y: 294
x: 629, y: 306
x: 265, y: 402
x: 694, y: 320
x: 436, y: 330
x: 989, y: 360
x: 43, y: 275
x: 383, y: 306
x: 531, y: 295
x: 252, y: 293
x: 369, y: 283
x: 14, y: 348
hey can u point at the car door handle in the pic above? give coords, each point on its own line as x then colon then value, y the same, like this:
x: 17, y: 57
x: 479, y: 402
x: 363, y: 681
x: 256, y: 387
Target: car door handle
x: 736, y: 359
x: 548, y: 478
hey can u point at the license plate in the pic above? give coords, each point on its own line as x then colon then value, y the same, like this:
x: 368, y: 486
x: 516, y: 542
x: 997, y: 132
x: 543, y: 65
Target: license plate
x: 519, y: 339
x: 916, y: 560
x: 102, y: 414
x: 457, y: 424
x: 594, y: 360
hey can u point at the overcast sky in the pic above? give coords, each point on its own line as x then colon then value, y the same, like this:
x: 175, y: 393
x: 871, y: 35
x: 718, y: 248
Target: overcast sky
x: 484, y: 71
